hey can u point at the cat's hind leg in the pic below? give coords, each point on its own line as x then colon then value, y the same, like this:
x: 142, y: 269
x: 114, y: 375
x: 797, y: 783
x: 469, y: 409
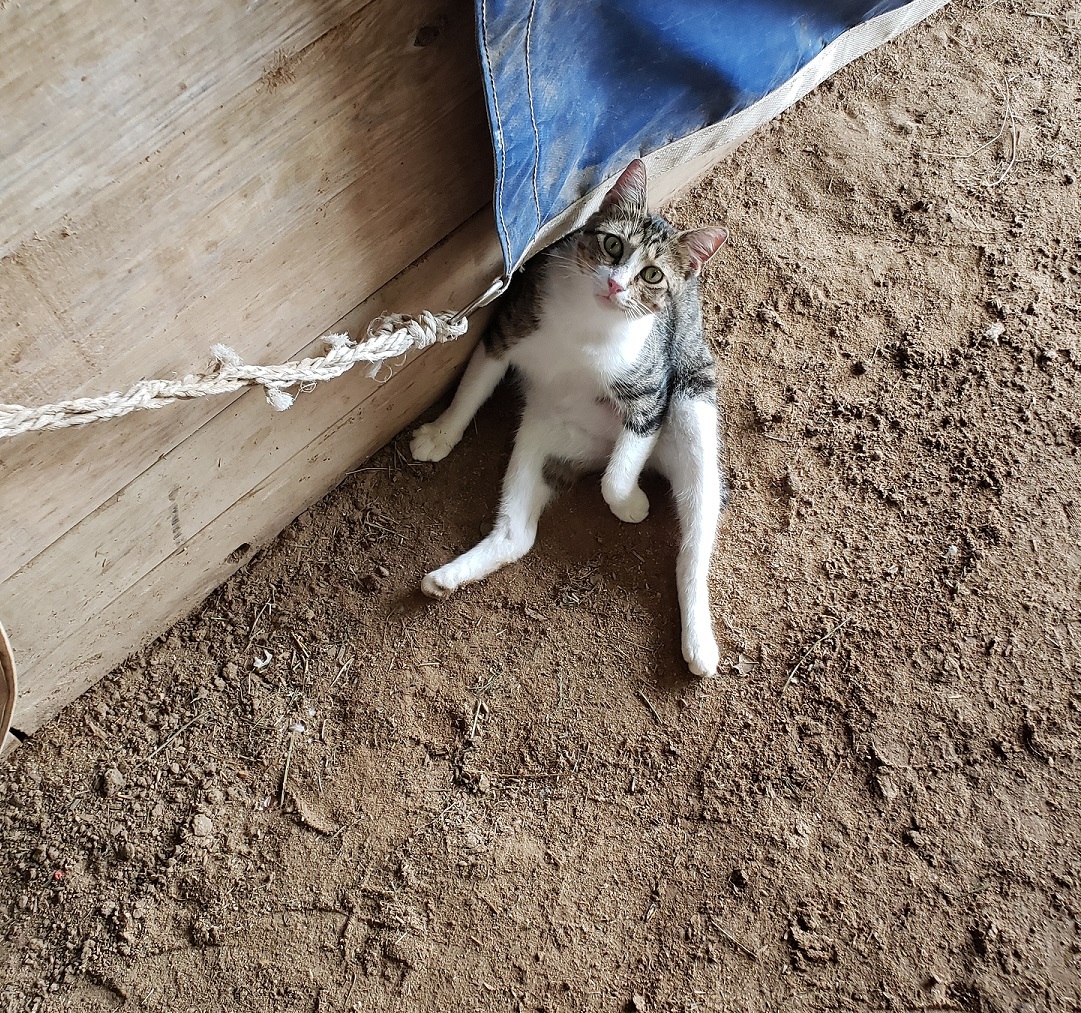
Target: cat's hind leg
x: 688, y: 455
x: 526, y: 492
x: 434, y: 440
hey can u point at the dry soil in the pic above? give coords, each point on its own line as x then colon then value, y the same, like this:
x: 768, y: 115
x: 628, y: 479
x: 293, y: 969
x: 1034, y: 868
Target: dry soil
x: 323, y: 793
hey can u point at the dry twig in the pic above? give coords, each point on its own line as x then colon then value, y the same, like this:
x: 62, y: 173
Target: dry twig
x: 1009, y: 120
x: 745, y: 950
x: 183, y: 728
x: 807, y: 653
x: 1015, y: 135
x: 285, y: 773
x: 652, y: 709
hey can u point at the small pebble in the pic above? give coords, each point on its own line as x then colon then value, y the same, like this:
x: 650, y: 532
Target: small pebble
x: 886, y: 785
x: 112, y: 783
x: 201, y: 826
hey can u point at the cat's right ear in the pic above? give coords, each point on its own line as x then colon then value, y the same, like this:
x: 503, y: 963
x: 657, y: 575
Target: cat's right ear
x: 629, y: 190
x: 701, y: 244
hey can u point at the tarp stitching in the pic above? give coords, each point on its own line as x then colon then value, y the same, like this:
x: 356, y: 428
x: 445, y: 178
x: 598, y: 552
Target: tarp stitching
x: 498, y: 123
x: 532, y: 112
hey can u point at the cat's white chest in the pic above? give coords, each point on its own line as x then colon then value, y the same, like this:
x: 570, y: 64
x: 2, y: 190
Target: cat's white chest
x: 569, y: 363
x: 580, y: 346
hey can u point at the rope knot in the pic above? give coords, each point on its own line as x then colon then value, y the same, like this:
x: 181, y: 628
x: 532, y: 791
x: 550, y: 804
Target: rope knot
x: 394, y: 334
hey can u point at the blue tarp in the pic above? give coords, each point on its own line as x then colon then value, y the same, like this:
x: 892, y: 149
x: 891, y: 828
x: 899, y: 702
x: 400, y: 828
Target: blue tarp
x: 577, y: 88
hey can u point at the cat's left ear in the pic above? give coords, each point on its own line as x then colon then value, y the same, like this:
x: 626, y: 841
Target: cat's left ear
x: 701, y: 244
x: 629, y: 190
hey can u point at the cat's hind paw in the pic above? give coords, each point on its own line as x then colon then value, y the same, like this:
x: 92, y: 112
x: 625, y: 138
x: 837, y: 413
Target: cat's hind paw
x: 633, y: 508
x: 431, y: 442
x: 701, y: 654
x: 434, y: 586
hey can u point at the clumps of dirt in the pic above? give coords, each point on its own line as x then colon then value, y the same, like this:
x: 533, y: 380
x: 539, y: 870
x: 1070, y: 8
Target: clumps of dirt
x: 322, y: 792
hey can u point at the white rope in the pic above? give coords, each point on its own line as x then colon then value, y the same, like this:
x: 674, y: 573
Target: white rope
x: 389, y: 337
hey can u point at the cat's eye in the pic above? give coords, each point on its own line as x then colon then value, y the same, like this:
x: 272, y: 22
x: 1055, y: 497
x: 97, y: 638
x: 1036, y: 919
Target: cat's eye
x: 652, y: 275
x: 613, y: 246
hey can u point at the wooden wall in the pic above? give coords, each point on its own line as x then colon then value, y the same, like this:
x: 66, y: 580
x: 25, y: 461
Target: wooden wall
x: 256, y: 172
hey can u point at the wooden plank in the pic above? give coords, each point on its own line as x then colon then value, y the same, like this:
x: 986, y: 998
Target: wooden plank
x: 357, y: 111
x: 90, y: 89
x: 240, y: 479
x: 328, y: 186
x: 229, y: 202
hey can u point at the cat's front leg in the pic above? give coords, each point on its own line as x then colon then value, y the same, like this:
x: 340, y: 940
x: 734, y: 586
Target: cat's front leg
x: 526, y: 492
x: 434, y: 440
x: 619, y: 486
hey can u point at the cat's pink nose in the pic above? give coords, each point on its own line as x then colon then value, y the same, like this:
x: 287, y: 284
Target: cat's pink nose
x: 614, y: 287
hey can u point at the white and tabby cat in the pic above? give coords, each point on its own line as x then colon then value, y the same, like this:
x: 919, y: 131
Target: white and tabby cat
x: 604, y: 331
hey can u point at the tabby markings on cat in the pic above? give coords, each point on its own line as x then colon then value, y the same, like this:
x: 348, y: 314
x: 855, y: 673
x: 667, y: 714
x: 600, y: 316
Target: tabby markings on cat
x: 604, y: 331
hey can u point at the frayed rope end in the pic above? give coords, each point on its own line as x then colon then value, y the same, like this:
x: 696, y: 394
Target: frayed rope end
x: 279, y: 399
x: 337, y: 341
x: 225, y: 355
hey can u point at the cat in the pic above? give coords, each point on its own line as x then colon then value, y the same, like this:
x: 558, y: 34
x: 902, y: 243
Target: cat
x: 604, y: 331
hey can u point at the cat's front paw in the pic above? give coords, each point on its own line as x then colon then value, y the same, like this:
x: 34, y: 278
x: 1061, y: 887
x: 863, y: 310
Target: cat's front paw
x: 431, y: 442
x: 701, y: 653
x: 632, y: 508
x: 436, y: 585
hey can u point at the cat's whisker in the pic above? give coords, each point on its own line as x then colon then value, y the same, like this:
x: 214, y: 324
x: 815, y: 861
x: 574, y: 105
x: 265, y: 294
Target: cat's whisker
x: 564, y: 272
x: 566, y: 261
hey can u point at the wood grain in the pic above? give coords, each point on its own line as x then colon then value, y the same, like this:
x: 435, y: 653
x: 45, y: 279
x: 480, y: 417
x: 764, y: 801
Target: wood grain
x: 91, y: 89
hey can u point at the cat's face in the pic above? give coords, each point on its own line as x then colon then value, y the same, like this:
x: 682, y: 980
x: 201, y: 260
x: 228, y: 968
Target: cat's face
x: 635, y: 259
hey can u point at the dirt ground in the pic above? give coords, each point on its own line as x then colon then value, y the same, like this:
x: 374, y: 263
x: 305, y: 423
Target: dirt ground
x: 322, y: 792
